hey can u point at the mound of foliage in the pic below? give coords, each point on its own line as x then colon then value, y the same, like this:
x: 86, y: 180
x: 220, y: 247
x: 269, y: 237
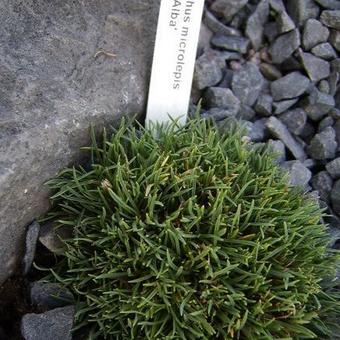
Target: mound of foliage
x: 188, y: 233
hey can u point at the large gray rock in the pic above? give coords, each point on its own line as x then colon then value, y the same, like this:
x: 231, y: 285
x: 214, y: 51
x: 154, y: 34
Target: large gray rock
x: 53, y: 88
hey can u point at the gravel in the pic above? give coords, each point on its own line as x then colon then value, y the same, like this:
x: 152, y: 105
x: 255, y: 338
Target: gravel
x: 284, y: 46
x: 323, y: 145
x: 331, y: 19
x: 323, y: 183
x: 217, y: 26
x: 50, y: 295
x: 270, y: 72
x: 329, y: 4
x: 278, y: 149
x: 302, y: 10
x: 295, y: 120
x: 247, y: 84
x: 222, y: 98
x: 315, y: 67
x: 255, y: 23
x: 324, y: 51
x: 291, y: 86
x: 280, y: 131
x: 318, y: 104
x: 231, y: 43
x: 207, y: 71
x: 284, y: 105
x: 264, y: 105
x: 227, y: 8
x: 51, y: 325
x: 314, y: 33
x: 333, y: 168
x: 299, y: 174
x: 284, y: 22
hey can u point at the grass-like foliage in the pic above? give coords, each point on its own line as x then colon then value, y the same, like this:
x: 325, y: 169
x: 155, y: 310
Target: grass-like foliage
x: 192, y: 234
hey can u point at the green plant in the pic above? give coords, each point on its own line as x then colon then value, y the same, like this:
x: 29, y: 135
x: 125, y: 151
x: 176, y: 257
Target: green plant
x: 192, y: 234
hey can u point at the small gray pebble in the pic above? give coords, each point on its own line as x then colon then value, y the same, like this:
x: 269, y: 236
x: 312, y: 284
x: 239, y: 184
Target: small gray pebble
x: 270, y: 72
x: 290, y: 86
x: 284, y: 46
x: 246, y: 112
x: 264, y: 105
x: 331, y: 18
x: 295, y: 120
x: 324, y: 51
x: 208, y: 71
x: 314, y: 33
x: 280, y: 131
x: 334, y: 39
x: 257, y: 130
x: 284, y: 105
x: 302, y: 10
x: 329, y: 4
x: 299, y: 175
x: 279, y: 149
x: 315, y: 67
x: 217, y: 26
x: 323, y: 145
x: 333, y: 168
x: 247, y: 83
x: 231, y: 43
x: 255, y: 23
x: 221, y: 98
x: 318, y: 104
x: 55, y: 324
x: 227, y: 8
x: 284, y: 22
x: 323, y: 183
x: 50, y: 295
x: 324, y: 86
x: 326, y: 122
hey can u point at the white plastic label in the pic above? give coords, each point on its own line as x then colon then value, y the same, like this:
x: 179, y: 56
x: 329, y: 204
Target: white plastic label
x: 174, y: 60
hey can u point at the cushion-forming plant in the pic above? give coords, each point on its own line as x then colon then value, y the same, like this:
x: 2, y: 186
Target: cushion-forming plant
x: 190, y: 233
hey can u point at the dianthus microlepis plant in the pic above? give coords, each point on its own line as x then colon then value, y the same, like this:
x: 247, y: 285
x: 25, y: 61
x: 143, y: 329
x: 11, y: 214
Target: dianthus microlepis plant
x: 190, y: 233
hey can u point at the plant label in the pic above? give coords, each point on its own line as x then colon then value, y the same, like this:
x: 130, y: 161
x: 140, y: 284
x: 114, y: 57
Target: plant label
x: 174, y: 60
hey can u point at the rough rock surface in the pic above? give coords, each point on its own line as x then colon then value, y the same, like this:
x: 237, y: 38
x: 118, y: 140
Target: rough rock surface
x: 53, y: 88
x: 52, y: 325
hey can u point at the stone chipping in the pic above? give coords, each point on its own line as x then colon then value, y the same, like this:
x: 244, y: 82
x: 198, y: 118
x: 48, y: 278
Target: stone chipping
x: 287, y: 82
